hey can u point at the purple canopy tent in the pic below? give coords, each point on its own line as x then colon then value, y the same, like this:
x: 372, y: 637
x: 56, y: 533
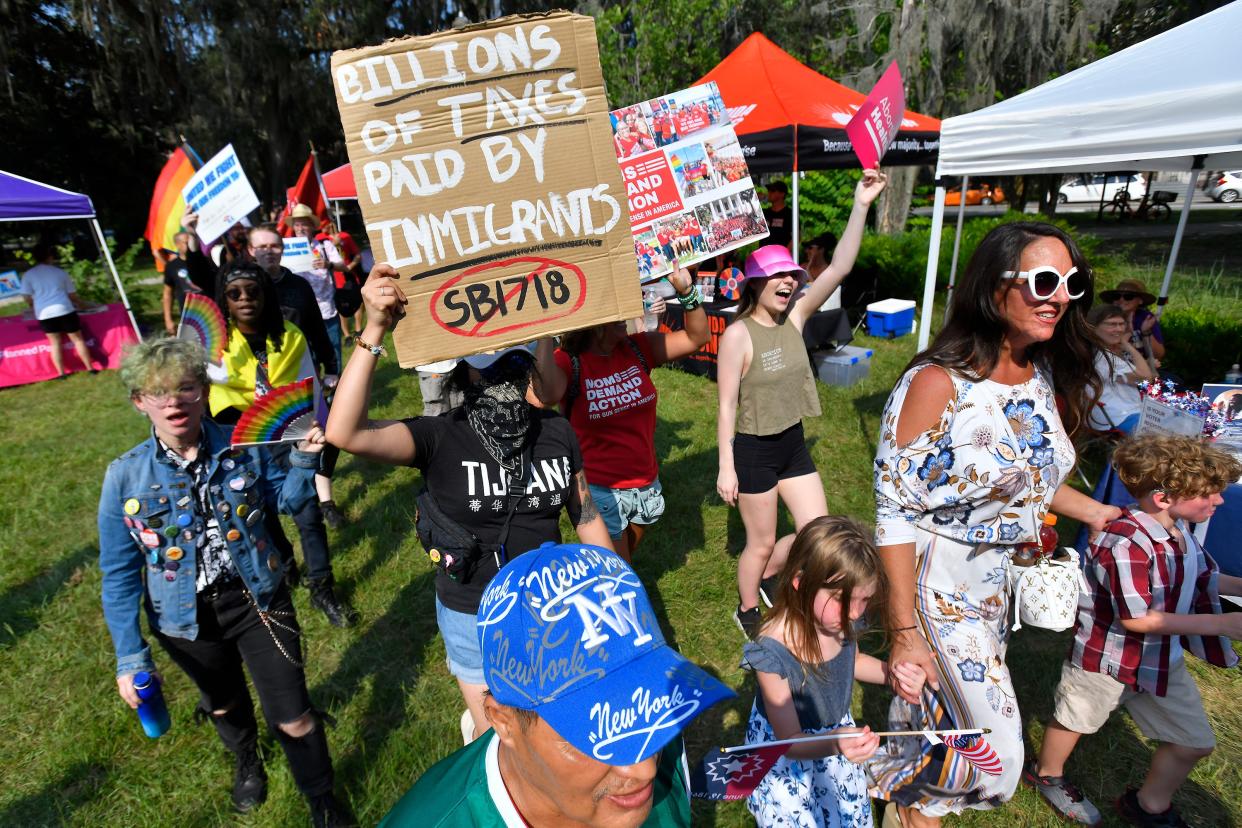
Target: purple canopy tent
x: 22, y: 199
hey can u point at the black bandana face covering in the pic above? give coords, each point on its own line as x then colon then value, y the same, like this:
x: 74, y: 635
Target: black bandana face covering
x: 497, y: 410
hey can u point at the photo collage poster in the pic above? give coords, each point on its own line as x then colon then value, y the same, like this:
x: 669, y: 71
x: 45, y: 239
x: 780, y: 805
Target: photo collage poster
x: 689, y: 190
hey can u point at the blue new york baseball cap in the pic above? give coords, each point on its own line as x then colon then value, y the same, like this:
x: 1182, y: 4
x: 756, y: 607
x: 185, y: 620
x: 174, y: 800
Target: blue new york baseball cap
x: 568, y: 632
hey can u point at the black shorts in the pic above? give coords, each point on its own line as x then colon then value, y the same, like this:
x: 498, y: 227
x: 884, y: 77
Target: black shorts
x: 762, y: 461
x: 67, y: 324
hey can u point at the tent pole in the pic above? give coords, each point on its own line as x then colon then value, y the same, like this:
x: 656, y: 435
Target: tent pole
x: 933, y: 261
x: 1177, y: 243
x: 957, y: 244
x: 116, y: 277
x: 336, y: 213
x: 794, y: 232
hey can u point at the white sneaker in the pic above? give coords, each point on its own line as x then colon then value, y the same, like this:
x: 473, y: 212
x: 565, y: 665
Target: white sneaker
x: 467, y: 727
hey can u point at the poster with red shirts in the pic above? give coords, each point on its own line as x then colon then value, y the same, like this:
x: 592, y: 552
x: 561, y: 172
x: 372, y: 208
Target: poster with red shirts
x: 688, y: 189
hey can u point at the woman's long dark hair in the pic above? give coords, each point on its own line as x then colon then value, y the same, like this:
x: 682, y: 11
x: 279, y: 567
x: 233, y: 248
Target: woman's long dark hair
x: 271, y: 321
x: 970, y: 342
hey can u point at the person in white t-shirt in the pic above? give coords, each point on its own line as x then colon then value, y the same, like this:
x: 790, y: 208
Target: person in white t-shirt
x: 50, y: 292
x: 1120, y: 367
x: 306, y: 224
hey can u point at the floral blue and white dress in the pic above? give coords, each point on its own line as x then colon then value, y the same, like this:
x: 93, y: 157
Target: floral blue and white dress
x: 965, y: 492
x: 808, y: 793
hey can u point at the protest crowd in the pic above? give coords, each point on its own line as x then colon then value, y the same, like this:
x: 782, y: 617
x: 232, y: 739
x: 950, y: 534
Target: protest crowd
x: 573, y: 704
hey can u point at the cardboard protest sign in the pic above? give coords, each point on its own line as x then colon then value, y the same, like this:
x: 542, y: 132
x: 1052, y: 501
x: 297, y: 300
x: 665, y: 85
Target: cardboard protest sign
x: 10, y: 284
x: 687, y: 187
x: 875, y: 124
x: 220, y: 193
x: 297, y: 256
x: 485, y: 172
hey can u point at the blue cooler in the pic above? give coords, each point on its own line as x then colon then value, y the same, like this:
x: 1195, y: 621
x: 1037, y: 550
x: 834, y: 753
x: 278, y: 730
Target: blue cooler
x: 891, y: 317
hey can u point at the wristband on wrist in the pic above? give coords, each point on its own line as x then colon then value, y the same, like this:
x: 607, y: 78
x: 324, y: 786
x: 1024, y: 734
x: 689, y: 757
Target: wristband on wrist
x: 692, y: 299
x: 376, y: 350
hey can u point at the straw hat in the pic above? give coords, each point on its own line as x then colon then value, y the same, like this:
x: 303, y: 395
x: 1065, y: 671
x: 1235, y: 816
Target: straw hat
x: 304, y: 212
x: 1128, y: 286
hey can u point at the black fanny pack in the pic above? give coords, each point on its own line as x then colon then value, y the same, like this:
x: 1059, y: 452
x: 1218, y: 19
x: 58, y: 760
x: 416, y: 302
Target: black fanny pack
x: 453, y: 548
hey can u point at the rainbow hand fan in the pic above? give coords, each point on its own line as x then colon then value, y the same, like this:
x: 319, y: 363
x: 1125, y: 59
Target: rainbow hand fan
x: 286, y: 413
x: 202, y: 322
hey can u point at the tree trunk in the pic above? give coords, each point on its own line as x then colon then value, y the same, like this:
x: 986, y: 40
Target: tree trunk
x: 894, y: 204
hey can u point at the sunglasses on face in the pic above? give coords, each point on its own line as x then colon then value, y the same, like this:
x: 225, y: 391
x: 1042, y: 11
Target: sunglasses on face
x: 1044, y: 281
x: 234, y: 294
x: 1126, y: 296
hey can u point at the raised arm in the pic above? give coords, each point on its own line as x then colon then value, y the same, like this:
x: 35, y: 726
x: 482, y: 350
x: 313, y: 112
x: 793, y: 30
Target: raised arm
x: 349, y: 428
x: 548, y: 381
x: 868, y: 189
x: 667, y: 347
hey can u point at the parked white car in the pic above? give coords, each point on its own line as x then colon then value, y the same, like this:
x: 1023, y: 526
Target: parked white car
x: 1086, y: 186
x: 1227, y: 187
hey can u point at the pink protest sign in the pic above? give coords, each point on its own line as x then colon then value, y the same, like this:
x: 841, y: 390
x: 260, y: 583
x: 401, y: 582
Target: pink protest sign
x: 875, y: 124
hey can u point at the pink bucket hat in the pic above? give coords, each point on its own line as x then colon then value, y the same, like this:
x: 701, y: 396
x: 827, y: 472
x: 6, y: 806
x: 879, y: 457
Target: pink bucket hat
x: 770, y: 260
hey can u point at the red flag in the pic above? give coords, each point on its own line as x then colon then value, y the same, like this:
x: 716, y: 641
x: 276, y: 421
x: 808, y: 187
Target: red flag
x: 728, y: 776
x: 309, y: 191
x: 976, y: 751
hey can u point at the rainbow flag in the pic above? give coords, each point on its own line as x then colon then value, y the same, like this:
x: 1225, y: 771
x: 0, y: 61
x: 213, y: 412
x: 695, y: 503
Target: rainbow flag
x: 167, y: 206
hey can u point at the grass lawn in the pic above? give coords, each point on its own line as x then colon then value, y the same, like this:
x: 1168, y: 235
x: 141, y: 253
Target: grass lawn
x: 73, y: 753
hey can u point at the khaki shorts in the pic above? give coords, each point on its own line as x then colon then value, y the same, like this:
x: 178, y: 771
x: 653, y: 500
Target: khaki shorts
x: 1085, y: 700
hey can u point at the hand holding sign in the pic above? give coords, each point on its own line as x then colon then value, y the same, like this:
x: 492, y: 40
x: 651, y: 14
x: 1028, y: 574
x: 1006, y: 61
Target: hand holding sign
x: 876, y: 123
x: 870, y: 186
x: 384, y: 299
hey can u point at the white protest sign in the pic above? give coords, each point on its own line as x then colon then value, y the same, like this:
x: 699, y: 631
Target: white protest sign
x: 298, y: 256
x: 221, y: 195
x: 1157, y: 418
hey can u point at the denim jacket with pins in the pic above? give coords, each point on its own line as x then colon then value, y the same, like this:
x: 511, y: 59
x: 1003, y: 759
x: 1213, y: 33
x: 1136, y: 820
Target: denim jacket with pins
x: 149, y: 535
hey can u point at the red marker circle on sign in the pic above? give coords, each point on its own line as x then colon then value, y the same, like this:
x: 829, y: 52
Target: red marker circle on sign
x: 480, y: 307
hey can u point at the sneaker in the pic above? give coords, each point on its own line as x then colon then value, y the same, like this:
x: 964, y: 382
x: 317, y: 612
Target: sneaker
x: 1062, y: 796
x: 767, y: 589
x: 249, y: 781
x: 331, y: 514
x: 323, y: 598
x: 748, y: 621
x: 467, y: 727
x: 328, y: 812
x: 1129, y: 809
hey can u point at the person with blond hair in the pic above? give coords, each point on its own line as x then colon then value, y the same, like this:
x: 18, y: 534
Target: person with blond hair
x: 181, y: 533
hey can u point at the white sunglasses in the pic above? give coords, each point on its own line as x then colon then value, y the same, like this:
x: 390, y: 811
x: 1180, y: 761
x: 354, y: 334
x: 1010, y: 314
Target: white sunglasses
x: 1044, y: 281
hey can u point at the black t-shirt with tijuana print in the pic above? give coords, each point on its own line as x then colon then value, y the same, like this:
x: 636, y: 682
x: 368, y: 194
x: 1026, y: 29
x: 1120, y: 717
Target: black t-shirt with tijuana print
x: 470, y: 487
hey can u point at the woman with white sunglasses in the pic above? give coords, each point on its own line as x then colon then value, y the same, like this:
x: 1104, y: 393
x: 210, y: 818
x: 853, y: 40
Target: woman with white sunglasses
x: 973, y: 453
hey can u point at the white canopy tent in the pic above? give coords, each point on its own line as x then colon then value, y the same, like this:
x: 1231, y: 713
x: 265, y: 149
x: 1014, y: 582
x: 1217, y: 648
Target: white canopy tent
x: 1172, y: 102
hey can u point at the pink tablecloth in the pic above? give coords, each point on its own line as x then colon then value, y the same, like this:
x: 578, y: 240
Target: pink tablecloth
x: 26, y: 357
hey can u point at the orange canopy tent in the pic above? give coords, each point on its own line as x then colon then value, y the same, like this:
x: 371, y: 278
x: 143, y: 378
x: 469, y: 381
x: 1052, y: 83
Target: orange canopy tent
x: 789, y: 117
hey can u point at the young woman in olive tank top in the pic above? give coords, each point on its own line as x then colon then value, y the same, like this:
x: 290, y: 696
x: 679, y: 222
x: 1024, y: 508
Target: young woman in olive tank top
x: 766, y: 387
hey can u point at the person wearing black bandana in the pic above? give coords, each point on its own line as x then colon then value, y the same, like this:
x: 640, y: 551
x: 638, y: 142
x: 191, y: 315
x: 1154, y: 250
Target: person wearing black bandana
x: 496, y: 466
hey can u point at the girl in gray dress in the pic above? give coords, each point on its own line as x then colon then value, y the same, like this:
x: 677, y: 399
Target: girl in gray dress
x: 805, y: 661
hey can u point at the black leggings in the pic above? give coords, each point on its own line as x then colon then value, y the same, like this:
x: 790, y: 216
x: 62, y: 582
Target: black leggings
x: 230, y: 634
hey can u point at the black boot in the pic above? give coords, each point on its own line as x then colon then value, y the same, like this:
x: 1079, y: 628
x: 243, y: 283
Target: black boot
x: 323, y: 598
x: 249, y: 781
x: 332, y: 515
x: 328, y: 812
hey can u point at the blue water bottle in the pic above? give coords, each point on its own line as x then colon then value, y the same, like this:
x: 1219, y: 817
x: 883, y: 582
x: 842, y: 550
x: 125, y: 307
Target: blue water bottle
x: 152, y: 711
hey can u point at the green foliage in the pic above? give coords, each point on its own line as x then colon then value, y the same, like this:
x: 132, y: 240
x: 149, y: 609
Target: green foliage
x: 1203, y: 342
x: 825, y: 199
x: 898, y: 263
x: 91, y: 277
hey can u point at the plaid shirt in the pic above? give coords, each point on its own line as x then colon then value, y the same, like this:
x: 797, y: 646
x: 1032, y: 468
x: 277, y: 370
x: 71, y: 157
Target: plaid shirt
x: 1133, y: 567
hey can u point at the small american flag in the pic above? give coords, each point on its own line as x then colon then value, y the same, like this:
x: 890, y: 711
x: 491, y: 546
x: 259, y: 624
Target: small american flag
x: 976, y: 751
